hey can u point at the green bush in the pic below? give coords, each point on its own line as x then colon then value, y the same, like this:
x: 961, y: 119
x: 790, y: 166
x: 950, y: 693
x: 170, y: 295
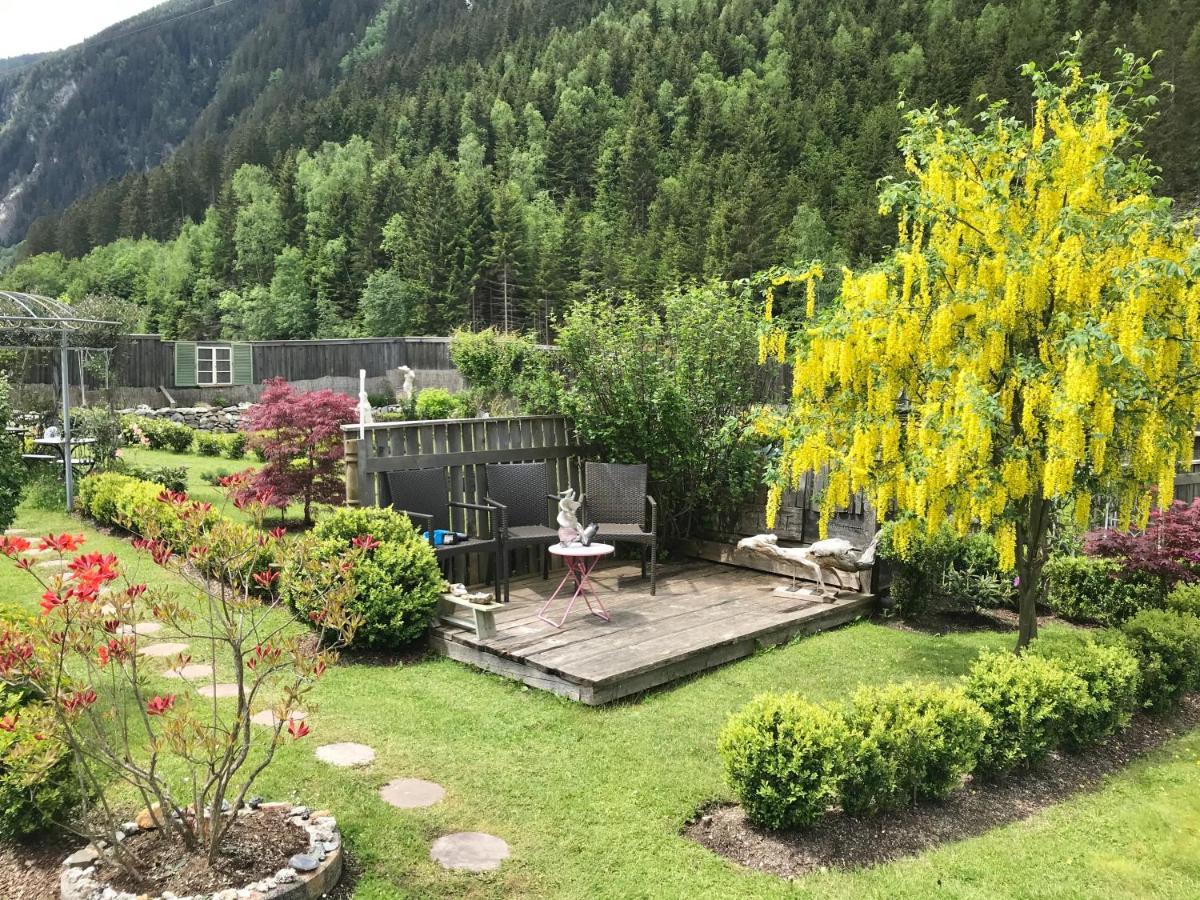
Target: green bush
x: 208, y: 444
x: 45, y: 489
x: 397, y: 584
x: 1111, y: 675
x: 12, y: 467
x: 908, y: 742
x: 236, y: 444
x: 437, y: 403
x: 945, y: 571
x: 1090, y: 588
x: 158, y: 434
x: 1184, y: 598
x: 785, y: 757
x: 1029, y: 700
x: 1167, y: 646
x: 173, y: 478
x: 130, y: 504
x: 38, y: 788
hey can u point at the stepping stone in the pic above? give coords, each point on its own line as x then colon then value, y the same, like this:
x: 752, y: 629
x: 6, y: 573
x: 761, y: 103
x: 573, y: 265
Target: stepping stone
x: 411, y: 793
x: 268, y: 719
x: 162, y: 650
x: 190, y: 672
x: 346, y: 755
x: 53, y: 565
x: 15, y: 532
x: 470, y: 851
x: 142, y: 628
x: 218, y: 691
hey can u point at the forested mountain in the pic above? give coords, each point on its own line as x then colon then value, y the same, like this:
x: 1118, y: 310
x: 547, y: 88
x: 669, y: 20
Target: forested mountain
x: 13, y: 63
x: 486, y: 161
x: 124, y: 100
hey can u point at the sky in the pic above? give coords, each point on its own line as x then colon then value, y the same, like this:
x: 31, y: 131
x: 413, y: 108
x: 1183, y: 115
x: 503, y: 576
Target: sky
x: 34, y: 26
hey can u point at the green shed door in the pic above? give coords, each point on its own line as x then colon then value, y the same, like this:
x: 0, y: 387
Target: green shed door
x: 243, y: 364
x: 185, y: 364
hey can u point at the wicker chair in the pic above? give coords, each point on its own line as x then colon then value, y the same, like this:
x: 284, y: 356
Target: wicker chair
x: 615, y: 499
x: 422, y: 495
x: 521, y: 491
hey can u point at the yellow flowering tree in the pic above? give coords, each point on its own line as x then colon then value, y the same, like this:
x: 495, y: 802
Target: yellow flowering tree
x: 1029, y: 343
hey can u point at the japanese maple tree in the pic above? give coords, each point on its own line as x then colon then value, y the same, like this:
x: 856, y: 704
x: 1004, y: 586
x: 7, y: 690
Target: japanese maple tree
x: 1167, y: 549
x: 300, y: 435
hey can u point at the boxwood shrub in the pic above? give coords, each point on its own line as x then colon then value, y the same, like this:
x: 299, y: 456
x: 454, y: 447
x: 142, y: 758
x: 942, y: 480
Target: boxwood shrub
x: 397, y: 584
x: 908, y: 742
x: 786, y: 758
x: 1167, y: 646
x: 1185, y: 598
x: 1028, y: 700
x: 1093, y: 589
x: 1112, y: 677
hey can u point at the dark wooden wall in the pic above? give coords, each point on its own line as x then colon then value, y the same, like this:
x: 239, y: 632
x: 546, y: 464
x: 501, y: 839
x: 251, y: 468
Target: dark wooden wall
x: 149, y: 361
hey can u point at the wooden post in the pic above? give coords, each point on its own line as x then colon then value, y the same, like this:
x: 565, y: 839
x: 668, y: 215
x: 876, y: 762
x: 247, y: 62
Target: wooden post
x: 352, y: 472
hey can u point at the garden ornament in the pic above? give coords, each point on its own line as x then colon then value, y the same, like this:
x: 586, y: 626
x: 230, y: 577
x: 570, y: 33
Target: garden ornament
x: 834, y: 555
x: 569, y: 529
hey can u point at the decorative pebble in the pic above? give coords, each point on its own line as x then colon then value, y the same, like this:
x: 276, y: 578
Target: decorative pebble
x: 190, y: 672
x: 346, y: 755
x: 217, y: 691
x: 285, y: 876
x: 267, y: 717
x: 471, y: 851
x: 302, y: 862
x: 162, y: 650
x: 411, y: 793
x: 82, y: 858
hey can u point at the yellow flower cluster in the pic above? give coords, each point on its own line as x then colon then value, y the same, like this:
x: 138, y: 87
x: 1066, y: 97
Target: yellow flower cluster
x: 772, y: 342
x: 1031, y: 334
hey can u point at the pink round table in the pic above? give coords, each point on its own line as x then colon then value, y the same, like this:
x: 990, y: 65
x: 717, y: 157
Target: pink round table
x: 580, y: 562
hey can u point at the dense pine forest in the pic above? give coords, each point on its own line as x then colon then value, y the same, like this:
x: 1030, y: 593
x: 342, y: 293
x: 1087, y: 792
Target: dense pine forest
x: 486, y: 162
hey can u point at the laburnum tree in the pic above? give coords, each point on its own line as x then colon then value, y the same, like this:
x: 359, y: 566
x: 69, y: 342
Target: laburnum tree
x: 1029, y: 343
x: 300, y: 436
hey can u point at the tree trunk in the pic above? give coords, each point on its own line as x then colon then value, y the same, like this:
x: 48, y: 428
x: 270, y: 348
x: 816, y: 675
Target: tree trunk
x: 1031, y: 556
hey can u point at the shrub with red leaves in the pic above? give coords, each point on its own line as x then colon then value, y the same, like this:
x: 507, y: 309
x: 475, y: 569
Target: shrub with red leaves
x: 300, y: 435
x: 1167, y: 551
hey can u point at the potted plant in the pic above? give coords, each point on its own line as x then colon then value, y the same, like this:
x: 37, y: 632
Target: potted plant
x: 189, y: 758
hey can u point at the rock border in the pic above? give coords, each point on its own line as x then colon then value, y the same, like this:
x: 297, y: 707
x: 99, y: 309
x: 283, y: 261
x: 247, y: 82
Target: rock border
x: 78, y: 882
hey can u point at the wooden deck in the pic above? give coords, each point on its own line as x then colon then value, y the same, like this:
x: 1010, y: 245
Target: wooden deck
x: 705, y: 615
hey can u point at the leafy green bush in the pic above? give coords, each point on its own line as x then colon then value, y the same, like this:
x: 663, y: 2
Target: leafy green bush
x: 437, y: 403
x: 158, y: 434
x: 1185, y: 598
x: 12, y: 467
x: 45, y: 489
x: 1167, y: 646
x: 1029, y: 700
x: 103, y: 425
x: 38, y: 788
x: 942, y: 570
x: 208, y: 444
x: 909, y: 741
x: 785, y: 757
x: 397, y: 583
x: 499, y: 365
x: 1091, y: 588
x: 173, y: 478
x: 1111, y: 675
x: 235, y: 445
x: 130, y: 504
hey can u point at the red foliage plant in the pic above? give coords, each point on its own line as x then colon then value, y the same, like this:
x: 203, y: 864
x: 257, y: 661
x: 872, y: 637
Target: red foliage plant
x: 300, y: 435
x: 1167, y: 550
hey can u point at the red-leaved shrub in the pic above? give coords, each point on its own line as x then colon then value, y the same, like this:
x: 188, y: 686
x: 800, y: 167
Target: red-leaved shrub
x: 1167, y: 551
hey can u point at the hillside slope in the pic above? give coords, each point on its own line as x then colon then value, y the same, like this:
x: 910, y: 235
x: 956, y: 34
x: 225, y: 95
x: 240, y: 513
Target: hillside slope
x: 124, y: 100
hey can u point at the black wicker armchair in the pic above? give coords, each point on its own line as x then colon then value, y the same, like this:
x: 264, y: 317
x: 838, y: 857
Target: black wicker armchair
x: 615, y: 499
x: 423, y: 496
x: 521, y: 492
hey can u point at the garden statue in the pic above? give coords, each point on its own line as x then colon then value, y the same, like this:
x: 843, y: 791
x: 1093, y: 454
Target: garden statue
x: 408, y: 384
x: 834, y: 555
x: 569, y: 529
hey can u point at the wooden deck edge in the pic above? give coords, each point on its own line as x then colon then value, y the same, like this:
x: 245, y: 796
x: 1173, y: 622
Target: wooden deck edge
x: 596, y: 693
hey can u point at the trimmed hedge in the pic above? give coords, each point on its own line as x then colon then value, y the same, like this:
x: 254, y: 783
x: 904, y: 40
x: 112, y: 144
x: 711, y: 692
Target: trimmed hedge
x: 1167, y: 646
x: 128, y: 503
x: 909, y: 742
x: 231, y: 446
x: 398, y: 583
x: 786, y: 758
x: 157, y: 434
x: 1092, y: 589
x: 1185, y: 598
x: 1112, y: 677
x: 173, y: 478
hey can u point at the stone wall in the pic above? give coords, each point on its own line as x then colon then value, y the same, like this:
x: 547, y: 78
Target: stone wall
x: 221, y: 419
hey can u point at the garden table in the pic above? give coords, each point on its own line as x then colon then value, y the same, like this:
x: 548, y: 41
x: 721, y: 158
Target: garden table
x: 580, y: 562
x: 59, y: 446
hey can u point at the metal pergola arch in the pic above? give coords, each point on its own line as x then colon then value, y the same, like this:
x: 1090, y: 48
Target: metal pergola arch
x: 41, y: 322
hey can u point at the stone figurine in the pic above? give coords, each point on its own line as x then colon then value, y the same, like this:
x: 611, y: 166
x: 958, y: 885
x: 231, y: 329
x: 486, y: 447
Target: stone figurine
x: 569, y: 529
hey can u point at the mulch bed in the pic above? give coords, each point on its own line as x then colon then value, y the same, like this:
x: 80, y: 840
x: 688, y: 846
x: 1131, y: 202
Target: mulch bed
x: 29, y: 869
x: 257, y: 847
x: 962, y: 621
x: 843, y: 842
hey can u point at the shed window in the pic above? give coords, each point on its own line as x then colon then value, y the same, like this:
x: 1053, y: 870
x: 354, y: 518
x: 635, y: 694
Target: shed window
x: 214, y: 365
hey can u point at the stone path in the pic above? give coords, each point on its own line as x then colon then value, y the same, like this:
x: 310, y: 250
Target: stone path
x: 143, y: 628
x: 53, y: 565
x: 411, y: 793
x: 191, y: 672
x: 267, y: 717
x: 470, y: 851
x: 218, y: 691
x: 162, y: 650
x: 346, y: 755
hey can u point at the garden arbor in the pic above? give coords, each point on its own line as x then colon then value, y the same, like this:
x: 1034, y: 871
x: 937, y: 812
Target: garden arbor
x: 29, y: 321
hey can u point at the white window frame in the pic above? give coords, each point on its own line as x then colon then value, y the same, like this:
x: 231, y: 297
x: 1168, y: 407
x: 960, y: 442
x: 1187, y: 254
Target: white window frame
x: 216, y: 354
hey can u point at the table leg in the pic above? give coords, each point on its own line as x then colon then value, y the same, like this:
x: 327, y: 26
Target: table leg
x: 578, y: 569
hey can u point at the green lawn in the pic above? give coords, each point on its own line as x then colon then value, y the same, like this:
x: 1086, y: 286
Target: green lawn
x: 591, y: 800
